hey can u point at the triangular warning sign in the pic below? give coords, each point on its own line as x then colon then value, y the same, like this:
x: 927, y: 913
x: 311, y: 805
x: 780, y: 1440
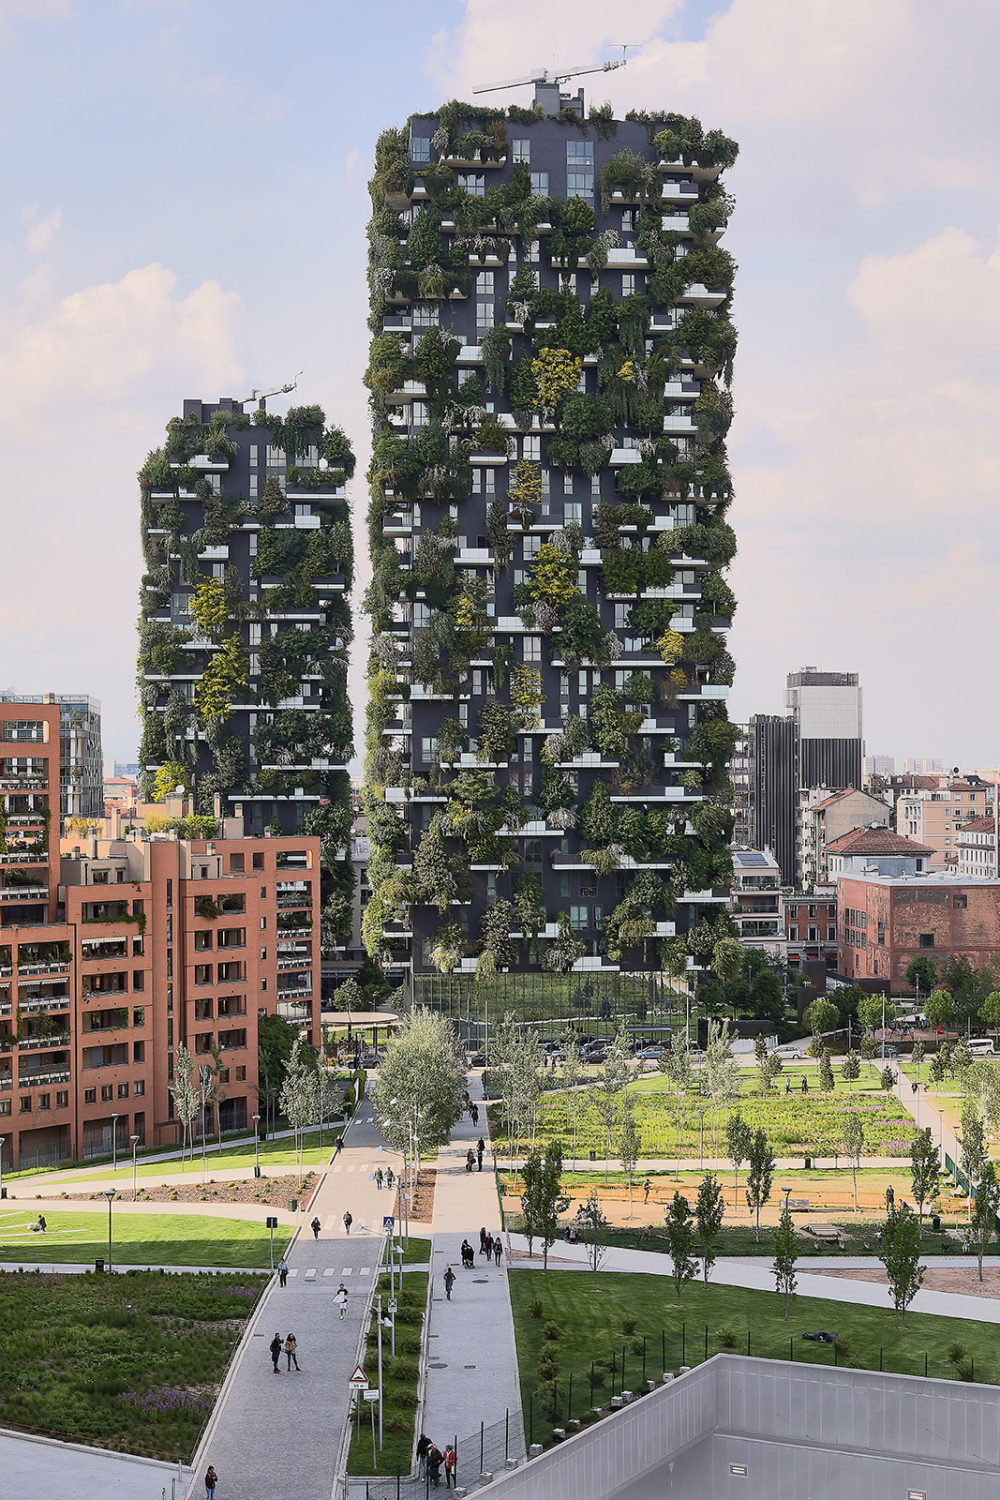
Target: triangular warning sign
x: 359, y: 1378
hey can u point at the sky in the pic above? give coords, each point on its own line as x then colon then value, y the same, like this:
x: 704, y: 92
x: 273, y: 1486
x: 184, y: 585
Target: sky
x: 184, y: 191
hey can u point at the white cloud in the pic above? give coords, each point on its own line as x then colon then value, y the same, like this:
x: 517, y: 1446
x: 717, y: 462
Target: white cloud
x: 917, y: 302
x: 30, y: 10
x: 40, y: 236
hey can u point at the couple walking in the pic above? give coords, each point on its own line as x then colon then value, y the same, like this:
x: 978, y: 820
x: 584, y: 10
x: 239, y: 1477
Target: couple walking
x: 290, y: 1345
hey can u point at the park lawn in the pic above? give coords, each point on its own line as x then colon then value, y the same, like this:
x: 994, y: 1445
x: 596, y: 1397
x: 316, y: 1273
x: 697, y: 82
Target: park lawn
x: 276, y: 1153
x: 796, y: 1124
x: 400, y: 1379
x: 416, y: 1253
x: 132, y: 1363
x: 591, y: 1330
x: 139, y: 1239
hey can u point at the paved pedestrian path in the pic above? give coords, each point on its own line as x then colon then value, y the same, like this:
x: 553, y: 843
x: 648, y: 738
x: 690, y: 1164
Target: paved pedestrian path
x: 757, y: 1275
x: 280, y: 1434
x: 472, y: 1372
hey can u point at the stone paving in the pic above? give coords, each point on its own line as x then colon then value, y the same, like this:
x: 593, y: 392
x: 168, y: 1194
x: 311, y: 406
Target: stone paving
x: 280, y: 1434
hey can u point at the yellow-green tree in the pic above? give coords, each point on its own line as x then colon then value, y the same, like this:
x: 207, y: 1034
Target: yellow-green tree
x: 557, y: 375
x: 228, y: 670
x: 553, y: 575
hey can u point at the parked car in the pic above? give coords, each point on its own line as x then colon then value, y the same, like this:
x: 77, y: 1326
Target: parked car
x: 653, y: 1052
x: 594, y: 1055
x: 982, y: 1046
x: 791, y: 1051
x: 477, y: 1059
x: 885, y: 1049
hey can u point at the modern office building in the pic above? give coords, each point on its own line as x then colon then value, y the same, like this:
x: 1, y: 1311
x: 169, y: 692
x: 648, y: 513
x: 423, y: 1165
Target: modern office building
x: 879, y: 765
x: 115, y: 953
x: 246, y: 625
x: 817, y: 744
x: 81, y: 758
x: 546, y: 779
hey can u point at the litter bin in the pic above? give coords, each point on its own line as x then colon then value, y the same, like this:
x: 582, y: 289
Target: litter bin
x: 293, y: 1205
x: 256, y: 1171
x: 593, y: 1155
x: 3, y: 1192
x: 99, y: 1263
x: 935, y: 1222
x: 808, y: 1163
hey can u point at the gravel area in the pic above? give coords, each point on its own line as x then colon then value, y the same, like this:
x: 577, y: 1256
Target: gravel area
x: 269, y: 1192
x: 961, y: 1279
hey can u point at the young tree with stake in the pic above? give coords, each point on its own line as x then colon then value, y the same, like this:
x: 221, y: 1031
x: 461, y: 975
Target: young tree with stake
x: 925, y: 1173
x: 595, y: 1228
x: 786, y: 1253
x: 851, y: 1070
x: 982, y: 1223
x: 760, y: 1176
x: 900, y: 1255
x: 854, y: 1144
x: 708, y: 1212
x: 739, y: 1138
x: 680, y: 1238
x: 629, y: 1147
x: 542, y: 1200
x: 611, y: 1082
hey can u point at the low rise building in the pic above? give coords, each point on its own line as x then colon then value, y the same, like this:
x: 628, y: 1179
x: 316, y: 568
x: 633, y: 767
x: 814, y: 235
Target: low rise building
x: 115, y: 953
x: 809, y: 919
x: 977, y: 847
x: 756, y: 908
x: 822, y: 817
x: 875, y: 850
x: 884, y: 921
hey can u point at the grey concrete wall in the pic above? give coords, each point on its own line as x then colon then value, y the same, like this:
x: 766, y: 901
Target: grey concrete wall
x: 812, y: 1433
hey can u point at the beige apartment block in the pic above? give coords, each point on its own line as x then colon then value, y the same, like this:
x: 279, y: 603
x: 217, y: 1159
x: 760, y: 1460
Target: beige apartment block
x: 935, y: 811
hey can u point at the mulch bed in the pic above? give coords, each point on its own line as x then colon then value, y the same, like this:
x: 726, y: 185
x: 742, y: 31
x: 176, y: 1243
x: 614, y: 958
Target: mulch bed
x: 269, y: 1192
x: 422, y: 1207
x: 964, y: 1279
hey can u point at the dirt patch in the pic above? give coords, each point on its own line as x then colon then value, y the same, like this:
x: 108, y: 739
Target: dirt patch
x: 422, y: 1207
x: 963, y: 1279
x: 269, y: 1192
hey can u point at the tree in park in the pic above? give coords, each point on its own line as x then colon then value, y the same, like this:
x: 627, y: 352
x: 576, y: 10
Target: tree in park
x: 851, y: 1069
x: 989, y: 1011
x: 768, y: 1063
x: 854, y: 1145
x: 611, y: 1082
x: 983, y: 1218
x: 821, y: 1016
x: 739, y: 1138
x: 595, y: 1229
x: 629, y: 1147
x: 825, y: 1072
x: 184, y: 1092
x: 297, y: 1093
x: 925, y: 1172
x: 572, y: 1072
x: 887, y: 1078
x: 900, y: 1255
x: 760, y: 1176
x: 974, y: 1151
x: 676, y: 1064
x: 275, y: 1040
x: 871, y: 1011
x: 917, y: 1057
x: 709, y: 1210
x: 940, y: 1009
x: 680, y: 1237
x: 786, y: 1253
x: 867, y: 1050
x: 542, y: 1198
x: 939, y: 1064
x: 921, y: 974
x: 421, y: 1086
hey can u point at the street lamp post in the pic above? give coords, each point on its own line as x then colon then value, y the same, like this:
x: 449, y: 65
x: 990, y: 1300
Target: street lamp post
x: 941, y: 1135
x: 114, y: 1143
x: 135, y: 1141
x: 110, y: 1194
x: 3, y: 1141
x: 256, y: 1145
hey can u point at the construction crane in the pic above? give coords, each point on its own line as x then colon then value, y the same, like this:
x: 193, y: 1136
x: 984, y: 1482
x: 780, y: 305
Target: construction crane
x: 261, y: 396
x: 556, y: 76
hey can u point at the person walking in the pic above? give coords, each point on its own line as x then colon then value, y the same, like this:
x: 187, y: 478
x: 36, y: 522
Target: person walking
x: 379, y: 1178
x: 316, y: 1226
x: 475, y: 1114
x: 497, y: 1249
x: 645, y: 1191
x: 282, y: 1271
x: 291, y: 1344
x: 449, y: 1282
x: 211, y: 1480
x: 339, y: 1146
x: 434, y: 1459
x: 275, y: 1348
x: 41, y: 1223
x: 466, y: 1253
x: 488, y: 1247
x: 450, y: 1460
x: 480, y: 1148
x: 390, y: 1178
x: 348, y: 1220
x: 470, y: 1157
x: 482, y: 1239
x: 423, y: 1448
x: 340, y: 1297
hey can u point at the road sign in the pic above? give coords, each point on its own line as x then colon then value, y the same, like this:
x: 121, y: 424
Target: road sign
x: 388, y: 1222
x: 373, y: 1395
x: 359, y: 1380
x: 391, y: 1305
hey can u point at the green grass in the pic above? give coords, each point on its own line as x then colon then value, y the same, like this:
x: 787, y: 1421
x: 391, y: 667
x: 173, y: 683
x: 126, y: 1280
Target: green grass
x: 130, y: 1362
x: 417, y: 1253
x: 399, y: 1383
x: 591, y: 1330
x: 277, y: 1153
x: 139, y: 1239
x: 796, y: 1124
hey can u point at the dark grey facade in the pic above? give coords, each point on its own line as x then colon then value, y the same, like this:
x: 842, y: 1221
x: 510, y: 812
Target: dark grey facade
x: 773, y: 779
x: 547, y: 731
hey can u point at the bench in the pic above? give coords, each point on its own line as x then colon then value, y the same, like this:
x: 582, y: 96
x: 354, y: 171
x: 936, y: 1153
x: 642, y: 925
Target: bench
x: 800, y: 1205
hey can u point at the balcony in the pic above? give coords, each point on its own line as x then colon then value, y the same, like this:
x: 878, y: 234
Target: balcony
x: 42, y: 966
x: 300, y: 961
x: 14, y: 893
x: 296, y: 1012
x: 40, y: 1077
x: 295, y: 992
x: 41, y: 1006
x: 44, y: 1043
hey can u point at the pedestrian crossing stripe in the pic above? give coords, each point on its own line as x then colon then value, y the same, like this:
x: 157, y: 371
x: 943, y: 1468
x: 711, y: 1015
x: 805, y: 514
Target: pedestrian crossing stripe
x: 365, y: 1271
x: 347, y: 1271
x: 329, y: 1271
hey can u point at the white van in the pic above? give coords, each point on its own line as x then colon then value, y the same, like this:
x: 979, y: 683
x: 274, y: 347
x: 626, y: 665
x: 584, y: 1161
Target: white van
x: 982, y: 1046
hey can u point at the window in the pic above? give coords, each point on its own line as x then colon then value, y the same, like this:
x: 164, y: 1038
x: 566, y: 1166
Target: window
x: 579, y: 918
x: 107, y: 1093
x: 138, y: 980
x: 474, y: 183
x: 420, y: 148
x: 793, y: 934
x: 236, y: 864
x: 595, y: 486
x: 429, y: 749
x: 485, y: 285
x: 90, y: 1096
x: 484, y: 317
x: 628, y: 284
x: 532, y: 648
x: 540, y: 184
x: 425, y: 315
x: 926, y: 940
x: 628, y: 220
x: 26, y: 1104
x: 43, y: 1101
x: 531, y: 448
x: 241, y: 1073
x: 123, y: 1091
x: 579, y: 169
x: 138, y: 1088
x: 521, y: 150
x: 959, y: 902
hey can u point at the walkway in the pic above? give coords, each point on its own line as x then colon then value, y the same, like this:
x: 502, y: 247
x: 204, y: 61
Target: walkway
x: 265, y: 1438
x: 756, y: 1275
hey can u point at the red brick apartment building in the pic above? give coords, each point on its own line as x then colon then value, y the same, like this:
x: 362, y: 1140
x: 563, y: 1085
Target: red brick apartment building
x: 111, y: 956
x: 885, y: 920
